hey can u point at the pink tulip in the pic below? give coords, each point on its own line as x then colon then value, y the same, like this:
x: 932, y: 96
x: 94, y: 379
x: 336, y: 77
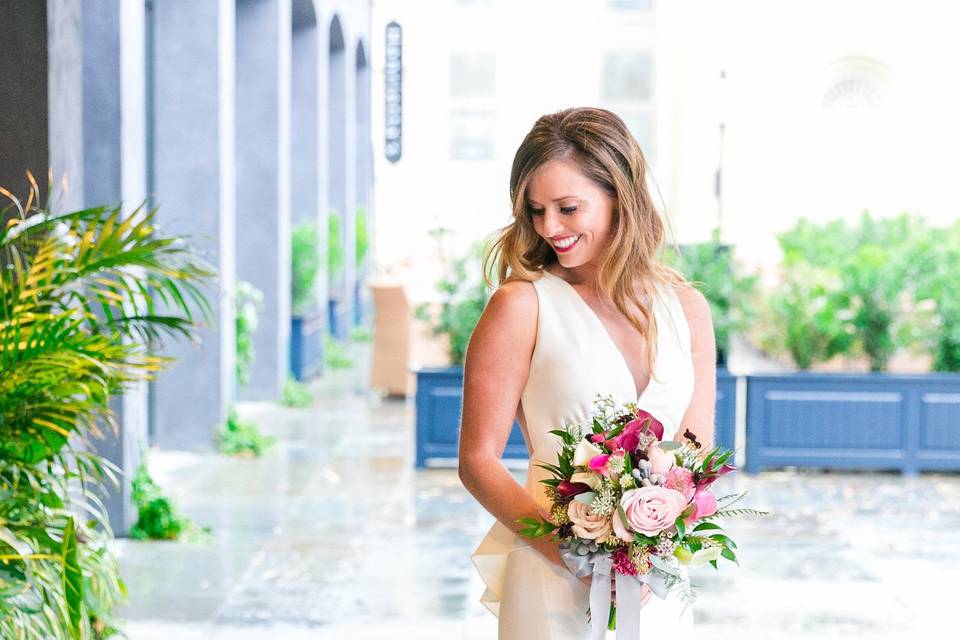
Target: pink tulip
x: 599, y: 464
x: 704, y: 504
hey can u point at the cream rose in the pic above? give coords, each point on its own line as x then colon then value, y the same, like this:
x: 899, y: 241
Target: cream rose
x: 649, y: 510
x: 587, y: 524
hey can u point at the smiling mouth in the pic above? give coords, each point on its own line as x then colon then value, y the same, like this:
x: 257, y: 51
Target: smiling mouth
x: 566, y: 244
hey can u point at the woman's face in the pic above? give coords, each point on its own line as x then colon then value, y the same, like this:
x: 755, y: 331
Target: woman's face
x: 566, y: 206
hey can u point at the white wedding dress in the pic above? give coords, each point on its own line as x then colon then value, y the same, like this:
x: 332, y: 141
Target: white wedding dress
x: 574, y: 359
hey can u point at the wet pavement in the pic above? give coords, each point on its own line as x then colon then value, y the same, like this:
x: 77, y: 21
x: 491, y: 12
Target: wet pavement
x: 333, y: 534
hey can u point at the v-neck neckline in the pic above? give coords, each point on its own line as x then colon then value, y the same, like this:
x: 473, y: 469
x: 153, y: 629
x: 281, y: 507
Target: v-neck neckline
x: 610, y: 340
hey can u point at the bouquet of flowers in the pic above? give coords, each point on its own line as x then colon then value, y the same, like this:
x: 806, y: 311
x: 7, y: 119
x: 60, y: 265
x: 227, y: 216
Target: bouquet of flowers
x: 631, y: 507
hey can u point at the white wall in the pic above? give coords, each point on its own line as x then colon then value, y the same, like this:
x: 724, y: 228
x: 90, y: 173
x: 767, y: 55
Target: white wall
x: 784, y: 154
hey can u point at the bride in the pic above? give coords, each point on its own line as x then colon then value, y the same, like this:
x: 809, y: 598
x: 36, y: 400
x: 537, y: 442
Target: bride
x: 583, y: 307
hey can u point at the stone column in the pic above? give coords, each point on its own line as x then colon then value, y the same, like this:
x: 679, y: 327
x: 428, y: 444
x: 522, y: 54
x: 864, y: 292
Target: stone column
x: 195, y: 189
x: 263, y: 183
x: 114, y: 162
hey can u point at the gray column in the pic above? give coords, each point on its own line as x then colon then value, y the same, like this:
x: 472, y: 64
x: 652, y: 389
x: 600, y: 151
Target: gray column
x: 114, y: 162
x: 65, y: 93
x: 304, y: 114
x: 339, y: 174
x: 263, y: 183
x: 364, y: 178
x: 193, y: 165
x: 24, y: 142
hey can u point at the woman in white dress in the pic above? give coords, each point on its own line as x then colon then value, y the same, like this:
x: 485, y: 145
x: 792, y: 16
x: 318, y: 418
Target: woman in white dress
x: 583, y: 307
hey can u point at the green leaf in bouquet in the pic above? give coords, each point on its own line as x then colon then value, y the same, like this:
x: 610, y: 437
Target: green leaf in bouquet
x: 709, y: 457
x: 564, y: 435
x: 714, y: 563
x: 535, y: 527
x: 597, y: 425
x: 627, y: 464
x: 643, y: 539
x: 730, y: 555
x: 552, y: 468
x: 727, y: 542
x: 681, y: 527
x: 553, y: 482
x: 669, y: 445
x: 707, y: 525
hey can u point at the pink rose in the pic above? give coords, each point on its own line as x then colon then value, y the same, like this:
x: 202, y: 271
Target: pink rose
x: 660, y: 461
x: 649, y: 510
x: 586, y: 524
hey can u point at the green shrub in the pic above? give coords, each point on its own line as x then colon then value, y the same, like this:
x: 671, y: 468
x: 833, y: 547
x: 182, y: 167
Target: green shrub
x: 334, y: 246
x: 808, y: 316
x: 157, y: 516
x: 851, y: 282
x: 305, y: 266
x: 237, y: 437
x: 296, y: 394
x: 465, y: 296
x: 710, y: 266
x: 335, y: 355
x: 937, y: 329
x: 249, y: 301
x: 362, y: 240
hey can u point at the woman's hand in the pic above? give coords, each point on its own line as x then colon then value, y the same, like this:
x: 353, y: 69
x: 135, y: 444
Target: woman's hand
x: 645, y: 593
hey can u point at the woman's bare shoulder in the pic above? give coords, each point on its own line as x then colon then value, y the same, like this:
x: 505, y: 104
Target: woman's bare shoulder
x: 513, y: 301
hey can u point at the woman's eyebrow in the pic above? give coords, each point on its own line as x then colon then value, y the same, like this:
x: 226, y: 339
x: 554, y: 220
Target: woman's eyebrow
x: 554, y: 200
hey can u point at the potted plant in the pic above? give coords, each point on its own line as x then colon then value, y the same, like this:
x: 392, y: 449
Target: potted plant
x: 711, y: 267
x: 439, y: 399
x: 857, y: 293
x: 306, y: 319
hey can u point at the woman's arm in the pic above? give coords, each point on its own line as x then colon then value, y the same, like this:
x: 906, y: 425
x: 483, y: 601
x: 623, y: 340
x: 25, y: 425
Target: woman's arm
x: 700, y: 415
x: 496, y: 368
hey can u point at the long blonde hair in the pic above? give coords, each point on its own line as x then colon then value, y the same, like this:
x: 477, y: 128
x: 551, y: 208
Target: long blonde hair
x: 599, y: 143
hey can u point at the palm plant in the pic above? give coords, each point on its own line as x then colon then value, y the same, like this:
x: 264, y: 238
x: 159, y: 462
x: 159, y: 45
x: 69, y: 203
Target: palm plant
x: 85, y: 297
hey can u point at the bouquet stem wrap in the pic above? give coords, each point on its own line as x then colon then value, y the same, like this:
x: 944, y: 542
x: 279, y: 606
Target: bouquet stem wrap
x: 629, y: 590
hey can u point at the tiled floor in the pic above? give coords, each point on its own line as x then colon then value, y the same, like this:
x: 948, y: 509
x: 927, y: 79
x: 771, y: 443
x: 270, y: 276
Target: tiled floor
x: 334, y: 535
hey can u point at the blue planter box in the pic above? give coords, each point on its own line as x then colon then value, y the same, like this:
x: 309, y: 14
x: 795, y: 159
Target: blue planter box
x: 439, y: 406
x: 440, y: 400
x: 306, y: 346
x: 854, y: 421
x: 725, y: 421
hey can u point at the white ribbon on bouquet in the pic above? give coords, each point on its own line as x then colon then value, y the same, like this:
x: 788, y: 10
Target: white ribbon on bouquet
x: 629, y: 591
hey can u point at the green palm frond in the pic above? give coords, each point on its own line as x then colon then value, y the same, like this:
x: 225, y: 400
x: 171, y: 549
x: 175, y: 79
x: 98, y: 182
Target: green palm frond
x: 85, y: 298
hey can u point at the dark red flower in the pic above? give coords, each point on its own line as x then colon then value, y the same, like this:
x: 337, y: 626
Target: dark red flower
x: 569, y: 489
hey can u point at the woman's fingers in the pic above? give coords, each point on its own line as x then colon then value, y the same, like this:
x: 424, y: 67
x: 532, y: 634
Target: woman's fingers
x: 645, y: 595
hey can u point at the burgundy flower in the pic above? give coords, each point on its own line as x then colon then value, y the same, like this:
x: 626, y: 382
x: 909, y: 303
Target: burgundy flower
x: 569, y: 489
x: 706, y: 482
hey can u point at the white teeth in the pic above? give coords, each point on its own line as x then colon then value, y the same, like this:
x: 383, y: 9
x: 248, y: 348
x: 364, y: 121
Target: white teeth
x: 563, y: 244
